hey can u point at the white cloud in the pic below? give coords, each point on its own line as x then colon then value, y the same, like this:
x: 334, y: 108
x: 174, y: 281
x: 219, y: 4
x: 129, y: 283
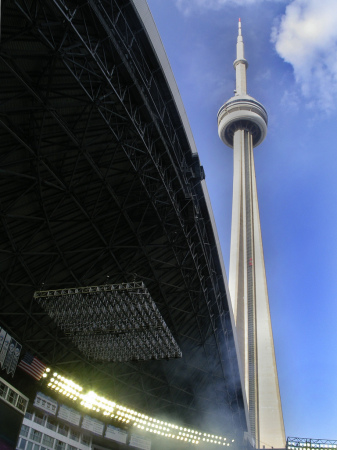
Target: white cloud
x: 290, y: 101
x: 306, y: 37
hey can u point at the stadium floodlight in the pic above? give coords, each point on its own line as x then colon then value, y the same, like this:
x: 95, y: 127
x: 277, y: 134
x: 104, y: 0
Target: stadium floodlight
x: 115, y: 322
x: 294, y: 443
x: 108, y: 408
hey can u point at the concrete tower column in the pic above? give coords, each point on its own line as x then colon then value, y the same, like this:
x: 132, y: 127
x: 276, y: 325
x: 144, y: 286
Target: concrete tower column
x: 242, y: 125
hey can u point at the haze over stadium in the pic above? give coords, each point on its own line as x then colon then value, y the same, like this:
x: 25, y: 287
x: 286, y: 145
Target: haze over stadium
x: 291, y: 50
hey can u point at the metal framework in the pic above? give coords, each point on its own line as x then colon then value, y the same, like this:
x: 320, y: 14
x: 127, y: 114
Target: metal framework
x: 111, y: 322
x: 295, y: 443
x: 98, y: 182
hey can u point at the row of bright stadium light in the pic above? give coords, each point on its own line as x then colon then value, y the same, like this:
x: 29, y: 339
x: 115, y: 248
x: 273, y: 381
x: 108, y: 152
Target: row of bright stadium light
x: 307, y: 445
x: 108, y: 408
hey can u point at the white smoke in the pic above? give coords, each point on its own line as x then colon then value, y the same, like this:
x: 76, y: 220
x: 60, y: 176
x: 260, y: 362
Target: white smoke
x: 306, y: 37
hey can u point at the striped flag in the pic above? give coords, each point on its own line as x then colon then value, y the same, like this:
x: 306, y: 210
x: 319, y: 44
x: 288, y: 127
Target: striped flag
x: 32, y: 365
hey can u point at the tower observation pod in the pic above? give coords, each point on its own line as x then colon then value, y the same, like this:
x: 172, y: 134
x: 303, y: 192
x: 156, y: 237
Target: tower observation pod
x: 242, y: 125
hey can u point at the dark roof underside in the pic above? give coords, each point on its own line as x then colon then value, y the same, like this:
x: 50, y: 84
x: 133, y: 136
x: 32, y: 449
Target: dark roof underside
x: 98, y: 184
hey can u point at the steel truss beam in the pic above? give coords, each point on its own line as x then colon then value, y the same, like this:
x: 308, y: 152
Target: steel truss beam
x: 101, y: 185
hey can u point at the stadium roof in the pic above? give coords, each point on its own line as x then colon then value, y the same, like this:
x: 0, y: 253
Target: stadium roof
x: 101, y: 184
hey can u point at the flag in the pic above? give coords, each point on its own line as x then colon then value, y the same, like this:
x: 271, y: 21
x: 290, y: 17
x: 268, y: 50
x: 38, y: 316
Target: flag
x: 15, y: 359
x: 9, y: 356
x: 32, y: 365
x: 10, y: 350
x: 4, y: 349
x: 2, y: 337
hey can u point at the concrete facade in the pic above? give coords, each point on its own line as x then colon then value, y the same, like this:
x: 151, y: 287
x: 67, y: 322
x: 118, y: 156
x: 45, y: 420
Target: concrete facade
x: 242, y: 125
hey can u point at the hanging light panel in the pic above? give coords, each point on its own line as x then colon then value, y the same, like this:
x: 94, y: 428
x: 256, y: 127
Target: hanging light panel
x: 116, y: 322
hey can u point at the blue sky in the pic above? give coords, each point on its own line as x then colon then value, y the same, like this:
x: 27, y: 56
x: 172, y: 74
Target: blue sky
x: 291, y: 49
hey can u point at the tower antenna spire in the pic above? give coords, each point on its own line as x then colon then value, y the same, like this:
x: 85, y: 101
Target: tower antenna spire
x: 240, y: 64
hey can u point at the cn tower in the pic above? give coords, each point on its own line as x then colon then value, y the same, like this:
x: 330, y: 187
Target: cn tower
x: 242, y: 125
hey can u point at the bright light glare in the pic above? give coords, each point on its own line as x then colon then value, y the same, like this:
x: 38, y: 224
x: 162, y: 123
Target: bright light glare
x: 107, y: 407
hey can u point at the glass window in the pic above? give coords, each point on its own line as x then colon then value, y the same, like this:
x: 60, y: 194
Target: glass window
x: 29, y: 414
x: 11, y: 396
x: 85, y: 440
x: 63, y: 429
x: 74, y: 435
x: 51, y: 424
x: 22, y: 403
x: 3, y: 390
x: 35, y: 435
x: 24, y: 431
x: 39, y: 418
x: 31, y: 446
x: 70, y: 447
x: 59, y: 445
x: 48, y: 441
x: 22, y: 444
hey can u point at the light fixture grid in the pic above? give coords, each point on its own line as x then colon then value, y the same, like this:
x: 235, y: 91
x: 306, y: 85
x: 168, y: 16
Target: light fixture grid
x: 115, y: 322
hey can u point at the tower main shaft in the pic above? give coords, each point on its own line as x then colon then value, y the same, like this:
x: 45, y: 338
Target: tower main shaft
x: 242, y: 125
